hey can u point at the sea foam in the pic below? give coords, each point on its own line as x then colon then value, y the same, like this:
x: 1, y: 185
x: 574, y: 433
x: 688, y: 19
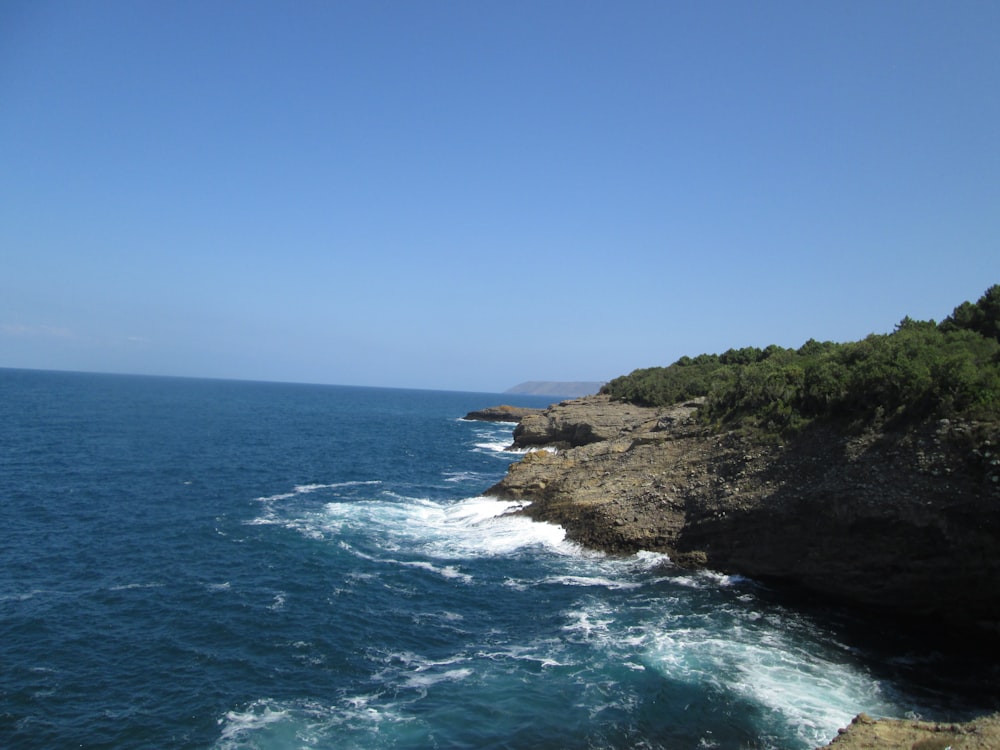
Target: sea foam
x: 472, y: 527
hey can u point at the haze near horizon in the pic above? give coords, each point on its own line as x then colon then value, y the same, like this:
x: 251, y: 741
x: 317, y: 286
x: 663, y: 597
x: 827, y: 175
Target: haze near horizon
x: 465, y: 196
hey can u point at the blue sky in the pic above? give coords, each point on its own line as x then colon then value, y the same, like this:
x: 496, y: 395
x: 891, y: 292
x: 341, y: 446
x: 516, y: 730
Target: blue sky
x: 465, y: 195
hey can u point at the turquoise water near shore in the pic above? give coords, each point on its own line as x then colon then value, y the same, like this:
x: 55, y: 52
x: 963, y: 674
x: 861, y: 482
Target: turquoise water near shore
x: 224, y: 564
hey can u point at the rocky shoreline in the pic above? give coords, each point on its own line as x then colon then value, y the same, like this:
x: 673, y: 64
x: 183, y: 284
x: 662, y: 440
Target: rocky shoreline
x: 866, y: 733
x: 502, y: 413
x: 904, y: 522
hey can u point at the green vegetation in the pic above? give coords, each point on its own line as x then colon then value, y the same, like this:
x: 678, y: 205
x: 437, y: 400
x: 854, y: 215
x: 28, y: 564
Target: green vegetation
x: 920, y: 370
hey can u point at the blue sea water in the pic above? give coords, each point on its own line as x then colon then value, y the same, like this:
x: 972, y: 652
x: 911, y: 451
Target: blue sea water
x: 219, y: 564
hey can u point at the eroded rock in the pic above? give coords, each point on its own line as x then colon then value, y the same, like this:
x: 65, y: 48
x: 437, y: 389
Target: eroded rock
x: 901, y: 521
x: 865, y: 733
x: 502, y: 413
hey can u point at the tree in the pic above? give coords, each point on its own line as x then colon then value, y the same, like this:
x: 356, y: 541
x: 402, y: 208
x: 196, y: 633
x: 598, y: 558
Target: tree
x: 989, y: 304
x: 982, y: 317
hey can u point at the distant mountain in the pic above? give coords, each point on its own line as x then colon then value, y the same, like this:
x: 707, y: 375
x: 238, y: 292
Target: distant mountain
x: 549, y: 388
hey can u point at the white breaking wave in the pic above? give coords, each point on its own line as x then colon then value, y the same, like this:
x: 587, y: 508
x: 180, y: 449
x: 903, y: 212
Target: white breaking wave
x: 737, y: 651
x: 609, y: 583
x: 812, y: 692
x: 701, y: 579
x: 475, y: 527
x: 483, y: 526
x: 305, y: 489
x: 498, y: 422
x: 445, y: 571
x: 587, y: 623
x: 499, y: 442
x: 464, y: 476
x: 496, y: 446
x: 268, y: 723
x: 237, y: 724
x: 503, y: 447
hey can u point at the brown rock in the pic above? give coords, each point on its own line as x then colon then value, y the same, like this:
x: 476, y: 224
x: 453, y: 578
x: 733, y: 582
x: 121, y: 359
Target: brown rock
x: 865, y: 733
x: 582, y: 421
x: 875, y: 519
x: 502, y: 413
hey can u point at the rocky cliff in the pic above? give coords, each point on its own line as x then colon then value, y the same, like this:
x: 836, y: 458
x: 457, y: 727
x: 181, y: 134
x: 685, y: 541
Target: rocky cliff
x: 907, y: 521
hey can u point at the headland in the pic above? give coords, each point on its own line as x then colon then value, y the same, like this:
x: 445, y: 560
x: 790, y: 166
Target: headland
x: 899, y: 522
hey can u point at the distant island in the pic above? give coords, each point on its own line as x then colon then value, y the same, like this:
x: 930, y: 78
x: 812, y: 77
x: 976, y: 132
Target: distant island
x: 555, y: 388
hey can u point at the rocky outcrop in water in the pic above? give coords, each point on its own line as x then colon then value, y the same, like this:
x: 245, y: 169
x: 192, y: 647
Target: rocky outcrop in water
x: 558, y: 389
x: 502, y: 413
x: 904, y: 521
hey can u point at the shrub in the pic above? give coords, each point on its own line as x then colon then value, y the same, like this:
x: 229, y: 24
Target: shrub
x: 919, y: 370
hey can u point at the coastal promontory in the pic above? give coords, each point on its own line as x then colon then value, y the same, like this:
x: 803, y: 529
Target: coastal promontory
x: 865, y: 472
x: 888, y: 519
x: 502, y: 413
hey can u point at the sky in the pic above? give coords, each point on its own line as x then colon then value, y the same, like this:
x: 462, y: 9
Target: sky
x: 466, y: 195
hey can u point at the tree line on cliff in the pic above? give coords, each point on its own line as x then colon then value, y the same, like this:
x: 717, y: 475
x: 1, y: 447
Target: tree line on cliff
x: 921, y: 370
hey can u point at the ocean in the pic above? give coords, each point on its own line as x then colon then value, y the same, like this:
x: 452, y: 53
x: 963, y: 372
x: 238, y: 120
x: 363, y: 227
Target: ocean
x: 223, y: 564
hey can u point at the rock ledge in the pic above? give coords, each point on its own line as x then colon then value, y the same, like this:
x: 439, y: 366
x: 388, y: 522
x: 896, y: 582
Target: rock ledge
x: 899, y: 521
x: 502, y: 413
x: 865, y: 733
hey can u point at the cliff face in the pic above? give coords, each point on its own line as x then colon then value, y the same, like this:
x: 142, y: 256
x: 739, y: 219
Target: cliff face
x: 905, y: 521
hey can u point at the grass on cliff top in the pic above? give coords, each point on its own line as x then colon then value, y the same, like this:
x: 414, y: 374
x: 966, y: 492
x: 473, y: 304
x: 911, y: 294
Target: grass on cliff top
x: 921, y: 370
